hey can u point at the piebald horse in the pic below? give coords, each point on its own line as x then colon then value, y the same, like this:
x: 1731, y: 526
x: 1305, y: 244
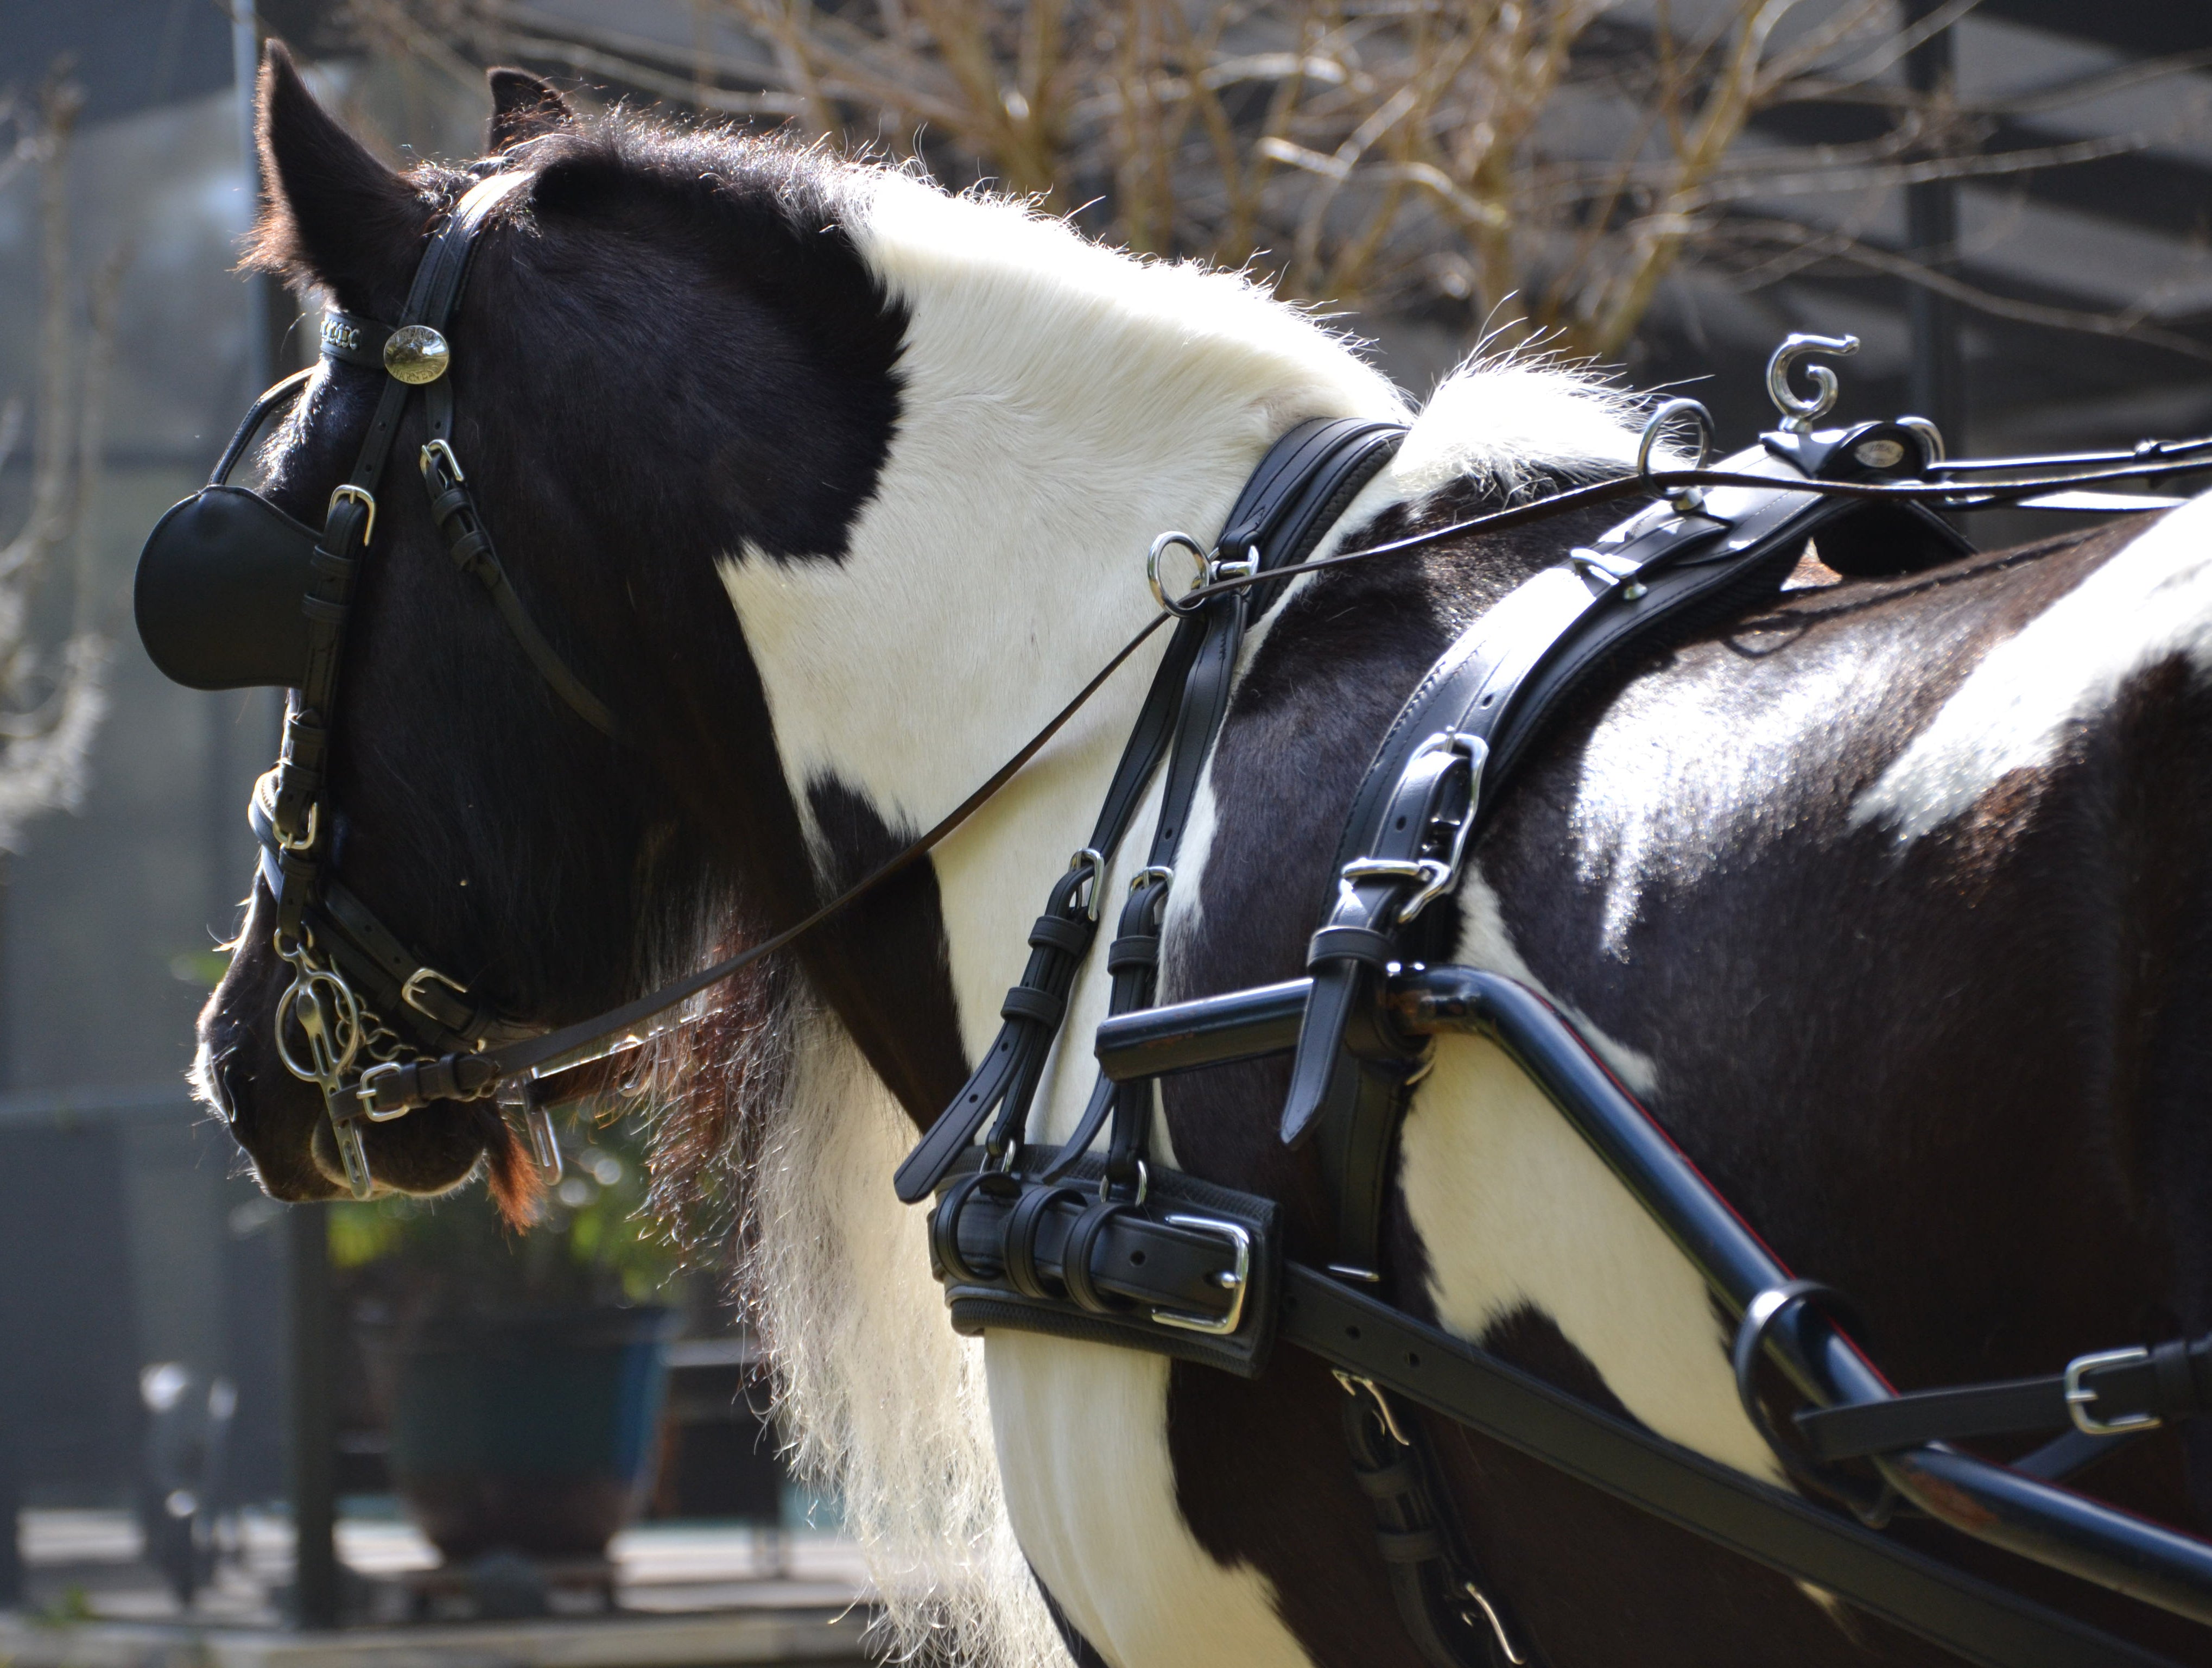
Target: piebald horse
x: 1889, y: 901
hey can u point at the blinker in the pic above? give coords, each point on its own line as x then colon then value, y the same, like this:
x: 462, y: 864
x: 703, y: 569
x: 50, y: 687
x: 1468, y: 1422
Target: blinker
x: 218, y: 592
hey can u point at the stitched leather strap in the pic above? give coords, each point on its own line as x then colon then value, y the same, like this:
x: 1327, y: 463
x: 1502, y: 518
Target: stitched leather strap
x: 2119, y: 1390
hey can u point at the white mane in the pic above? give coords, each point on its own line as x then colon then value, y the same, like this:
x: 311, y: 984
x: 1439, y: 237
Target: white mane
x: 1034, y: 358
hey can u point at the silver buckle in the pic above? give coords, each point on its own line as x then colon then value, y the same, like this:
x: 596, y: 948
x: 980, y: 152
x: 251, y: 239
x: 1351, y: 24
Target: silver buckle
x: 1236, y: 1280
x: 2080, y: 1397
x: 411, y: 992
x: 1095, y: 862
x: 365, y: 1092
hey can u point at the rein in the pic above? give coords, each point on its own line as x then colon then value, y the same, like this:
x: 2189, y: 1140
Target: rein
x: 617, y: 1028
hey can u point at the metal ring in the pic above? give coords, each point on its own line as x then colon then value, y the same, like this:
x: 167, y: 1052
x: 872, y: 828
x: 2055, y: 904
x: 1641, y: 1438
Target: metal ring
x: 1655, y: 426
x: 1873, y: 1505
x: 359, y: 495
x: 1161, y: 546
x: 1798, y: 413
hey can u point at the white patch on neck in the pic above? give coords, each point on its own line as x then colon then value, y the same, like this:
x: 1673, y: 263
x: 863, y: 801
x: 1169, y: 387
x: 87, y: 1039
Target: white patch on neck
x: 2015, y: 710
x: 1062, y: 405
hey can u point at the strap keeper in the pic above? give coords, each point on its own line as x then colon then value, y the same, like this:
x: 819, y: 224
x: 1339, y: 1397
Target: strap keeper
x: 1359, y: 944
x: 1069, y: 936
x: 1409, y: 1546
x: 1026, y: 1001
x: 1133, y: 950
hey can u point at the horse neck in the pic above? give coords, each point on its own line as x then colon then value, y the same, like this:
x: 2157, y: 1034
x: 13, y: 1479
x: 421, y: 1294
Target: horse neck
x: 1061, y: 405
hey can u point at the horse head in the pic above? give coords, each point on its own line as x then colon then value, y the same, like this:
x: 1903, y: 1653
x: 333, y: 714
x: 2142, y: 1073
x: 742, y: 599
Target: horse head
x: 646, y: 372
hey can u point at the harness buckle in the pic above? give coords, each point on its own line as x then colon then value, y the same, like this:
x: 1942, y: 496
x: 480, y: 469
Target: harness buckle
x: 439, y: 452
x: 411, y: 991
x: 2080, y: 1397
x: 299, y: 843
x: 1095, y: 862
x: 1236, y: 1280
x: 359, y: 495
x: 370, y: 1086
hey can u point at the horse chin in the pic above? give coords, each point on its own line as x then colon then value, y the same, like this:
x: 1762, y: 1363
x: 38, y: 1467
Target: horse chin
x: 436, y: 1149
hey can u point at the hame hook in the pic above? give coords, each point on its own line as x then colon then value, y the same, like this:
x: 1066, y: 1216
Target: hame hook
x: 1798, y: 413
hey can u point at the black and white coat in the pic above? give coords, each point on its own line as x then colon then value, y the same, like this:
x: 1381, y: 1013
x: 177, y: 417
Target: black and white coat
x: 1891, y: 903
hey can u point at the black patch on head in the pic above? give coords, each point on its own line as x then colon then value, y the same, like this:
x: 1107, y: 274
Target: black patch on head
x: 335, y: 216
x: 524, y: 106
x: 773, y: 381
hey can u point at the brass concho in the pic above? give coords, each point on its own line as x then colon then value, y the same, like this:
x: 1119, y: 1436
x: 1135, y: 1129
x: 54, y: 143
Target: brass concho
x: 416, y: 354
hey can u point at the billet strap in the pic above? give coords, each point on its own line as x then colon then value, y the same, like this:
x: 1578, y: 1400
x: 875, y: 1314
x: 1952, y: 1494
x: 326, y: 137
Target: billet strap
x: 2104, y: 1395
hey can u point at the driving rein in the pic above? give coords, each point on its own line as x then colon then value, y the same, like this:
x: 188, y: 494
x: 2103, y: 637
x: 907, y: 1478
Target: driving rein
x: 1097, y: 1243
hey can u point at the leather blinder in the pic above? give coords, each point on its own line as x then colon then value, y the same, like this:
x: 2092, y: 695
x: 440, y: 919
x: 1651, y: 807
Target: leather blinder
x: 219, y: 588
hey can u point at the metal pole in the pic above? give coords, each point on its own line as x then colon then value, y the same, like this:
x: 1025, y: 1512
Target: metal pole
x: 1936, y: 383
x: 312, y: 1402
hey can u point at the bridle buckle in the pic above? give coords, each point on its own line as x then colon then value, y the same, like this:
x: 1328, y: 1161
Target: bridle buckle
x: 2081, y: 1397
x: 411, y: 992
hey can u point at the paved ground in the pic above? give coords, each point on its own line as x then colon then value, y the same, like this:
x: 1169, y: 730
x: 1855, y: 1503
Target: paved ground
x: 684, y: 1593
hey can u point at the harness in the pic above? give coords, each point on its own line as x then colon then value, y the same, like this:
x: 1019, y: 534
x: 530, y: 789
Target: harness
x: 1097, y: 1242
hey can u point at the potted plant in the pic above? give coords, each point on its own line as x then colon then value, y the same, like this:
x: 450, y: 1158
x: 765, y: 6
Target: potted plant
x: 521, y: 1376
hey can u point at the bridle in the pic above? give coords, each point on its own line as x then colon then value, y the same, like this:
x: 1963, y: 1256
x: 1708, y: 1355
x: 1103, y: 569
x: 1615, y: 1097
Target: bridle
x: 365, y: 1007
x: 232, y: 592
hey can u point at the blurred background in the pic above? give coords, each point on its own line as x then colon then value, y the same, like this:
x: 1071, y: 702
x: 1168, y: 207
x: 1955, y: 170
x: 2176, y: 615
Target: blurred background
x: 2006, y: 201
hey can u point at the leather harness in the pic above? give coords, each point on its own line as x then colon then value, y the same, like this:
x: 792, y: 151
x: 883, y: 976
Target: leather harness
x: 1105, y: 1246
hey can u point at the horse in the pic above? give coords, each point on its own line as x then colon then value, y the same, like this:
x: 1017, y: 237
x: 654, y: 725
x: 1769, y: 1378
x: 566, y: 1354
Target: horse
x: 1889, y: 900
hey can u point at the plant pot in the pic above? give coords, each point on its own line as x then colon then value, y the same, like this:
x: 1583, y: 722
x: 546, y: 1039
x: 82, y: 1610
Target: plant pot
x: 530, y: 1432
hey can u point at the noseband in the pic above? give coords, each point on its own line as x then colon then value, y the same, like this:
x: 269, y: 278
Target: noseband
x: 232, y: 592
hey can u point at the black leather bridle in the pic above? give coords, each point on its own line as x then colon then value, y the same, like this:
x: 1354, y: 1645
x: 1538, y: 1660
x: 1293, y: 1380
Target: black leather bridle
x: 211, y: 595
x: 232, y: 592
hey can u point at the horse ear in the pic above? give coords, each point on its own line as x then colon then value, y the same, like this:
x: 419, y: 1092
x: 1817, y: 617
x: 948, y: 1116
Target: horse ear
x: 335, y: 216
x: 524, y: 106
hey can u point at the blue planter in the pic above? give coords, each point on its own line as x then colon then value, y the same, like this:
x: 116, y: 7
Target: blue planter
x: 533, y: 1432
